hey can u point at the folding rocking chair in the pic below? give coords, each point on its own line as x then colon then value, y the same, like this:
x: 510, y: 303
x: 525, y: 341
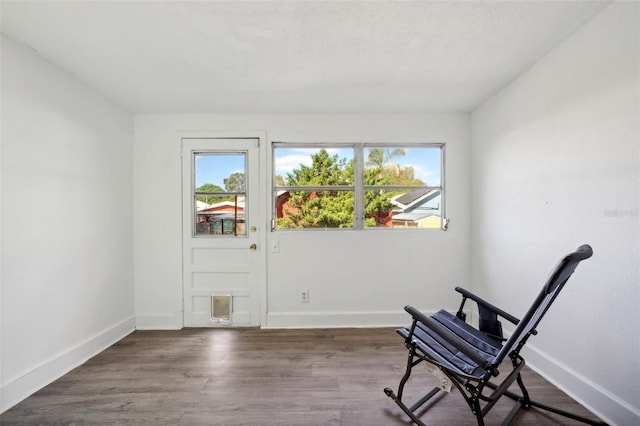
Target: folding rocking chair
x: 467, y: 358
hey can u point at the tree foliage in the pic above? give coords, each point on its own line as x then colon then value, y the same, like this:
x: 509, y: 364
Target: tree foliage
x: 376, y: 201
x: 323, y: 209
x: 235, y: 182
x: 211, y: 188
x: 381, y: 160
x: 334, y: 208
x: 378, y: 157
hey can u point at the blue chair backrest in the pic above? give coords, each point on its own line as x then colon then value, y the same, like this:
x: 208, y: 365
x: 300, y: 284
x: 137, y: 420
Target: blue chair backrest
x: 549, y: 292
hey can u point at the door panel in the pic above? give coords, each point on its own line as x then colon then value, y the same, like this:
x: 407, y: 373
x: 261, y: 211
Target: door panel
x: 220, y: 232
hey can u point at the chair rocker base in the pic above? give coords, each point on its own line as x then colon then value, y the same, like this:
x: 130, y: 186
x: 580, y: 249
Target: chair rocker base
x: 519, y: 405
x: 472, y: 391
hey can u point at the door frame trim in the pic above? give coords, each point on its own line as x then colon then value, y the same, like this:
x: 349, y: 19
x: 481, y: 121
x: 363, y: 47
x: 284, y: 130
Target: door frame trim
x: 263, y: 209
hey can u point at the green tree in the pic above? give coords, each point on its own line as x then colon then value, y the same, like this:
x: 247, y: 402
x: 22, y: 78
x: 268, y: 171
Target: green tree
x: 401, y: 175
x: 379, y: 157
x: 210, y: 188
x: 235, y: 182
x: 331, y: 209
x: 382, y: 170
x: 323, y: 209
x: 376, y: 201
x: 280, y: 181
x: 381, y: 160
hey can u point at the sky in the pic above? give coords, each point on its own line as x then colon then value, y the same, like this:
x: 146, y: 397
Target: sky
x: 425, y: 161
x: 215, y: 168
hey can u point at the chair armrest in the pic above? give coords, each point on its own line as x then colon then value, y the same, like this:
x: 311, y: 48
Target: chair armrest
x: 477, y: 299
x: 416, y: 314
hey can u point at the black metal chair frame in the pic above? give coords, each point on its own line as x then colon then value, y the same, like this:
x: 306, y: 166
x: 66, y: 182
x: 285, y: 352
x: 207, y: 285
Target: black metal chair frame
x: 470, y: 357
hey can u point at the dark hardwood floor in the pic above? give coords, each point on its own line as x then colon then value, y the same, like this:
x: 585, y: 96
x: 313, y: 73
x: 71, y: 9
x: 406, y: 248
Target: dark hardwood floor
x: 256, y: 377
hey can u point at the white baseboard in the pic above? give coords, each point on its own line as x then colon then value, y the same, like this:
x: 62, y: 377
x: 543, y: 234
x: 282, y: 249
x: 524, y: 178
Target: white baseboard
x: 337, y: 319
x: 355, y: 319
x: 158, y: 322
x: 21, y: 387
x: 610, y: 408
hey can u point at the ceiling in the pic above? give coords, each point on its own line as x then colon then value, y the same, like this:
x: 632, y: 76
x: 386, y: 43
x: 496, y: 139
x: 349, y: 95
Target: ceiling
x: 295, y: 56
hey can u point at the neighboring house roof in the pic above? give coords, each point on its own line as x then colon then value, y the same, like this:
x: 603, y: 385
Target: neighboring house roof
x: 411, y: 199
x: 223, y: 205
x: 201, y: 205
x: 410, y: 217
x: 226, y: 215
x: 417, y: 205
x: 405, y: 200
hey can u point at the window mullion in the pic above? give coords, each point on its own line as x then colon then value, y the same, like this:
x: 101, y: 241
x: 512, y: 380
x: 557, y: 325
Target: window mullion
x: 358, y: 187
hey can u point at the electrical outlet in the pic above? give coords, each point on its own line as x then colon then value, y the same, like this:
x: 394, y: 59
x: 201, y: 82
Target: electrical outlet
x: 304, y: 295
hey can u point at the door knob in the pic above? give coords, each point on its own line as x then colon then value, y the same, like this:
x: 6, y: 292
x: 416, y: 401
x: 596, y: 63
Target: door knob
x: 253, y: 247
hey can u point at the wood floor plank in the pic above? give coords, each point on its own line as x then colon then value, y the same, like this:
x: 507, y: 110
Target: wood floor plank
x: 248, y: 376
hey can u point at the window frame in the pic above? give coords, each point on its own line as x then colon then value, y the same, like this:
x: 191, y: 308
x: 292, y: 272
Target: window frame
x: 359, y: 188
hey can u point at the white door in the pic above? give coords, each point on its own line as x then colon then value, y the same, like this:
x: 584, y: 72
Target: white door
x: 221, y: 264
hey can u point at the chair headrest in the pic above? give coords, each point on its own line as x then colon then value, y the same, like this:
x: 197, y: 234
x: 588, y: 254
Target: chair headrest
x: 566, y: 266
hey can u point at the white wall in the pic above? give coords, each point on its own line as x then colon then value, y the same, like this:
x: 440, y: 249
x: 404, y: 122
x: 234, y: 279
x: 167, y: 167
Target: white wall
x: 354, y: 278
x: 67, y: 275
x: 556, y: 163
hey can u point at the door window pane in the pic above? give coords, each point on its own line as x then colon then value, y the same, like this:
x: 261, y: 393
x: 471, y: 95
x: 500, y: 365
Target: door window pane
x: 219, y: 194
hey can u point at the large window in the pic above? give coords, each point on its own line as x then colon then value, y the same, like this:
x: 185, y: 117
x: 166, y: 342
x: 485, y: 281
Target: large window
x: 358, y: 186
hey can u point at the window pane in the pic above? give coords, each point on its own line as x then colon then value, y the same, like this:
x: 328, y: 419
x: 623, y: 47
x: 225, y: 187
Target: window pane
x: 378, y: 208
x: 220, y: 215
x: 313, y: 166
x: 219, y: 193
x: 314, y: 209
x: 416, y: 166
x: 220, y: 172
x: 420, y: 208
